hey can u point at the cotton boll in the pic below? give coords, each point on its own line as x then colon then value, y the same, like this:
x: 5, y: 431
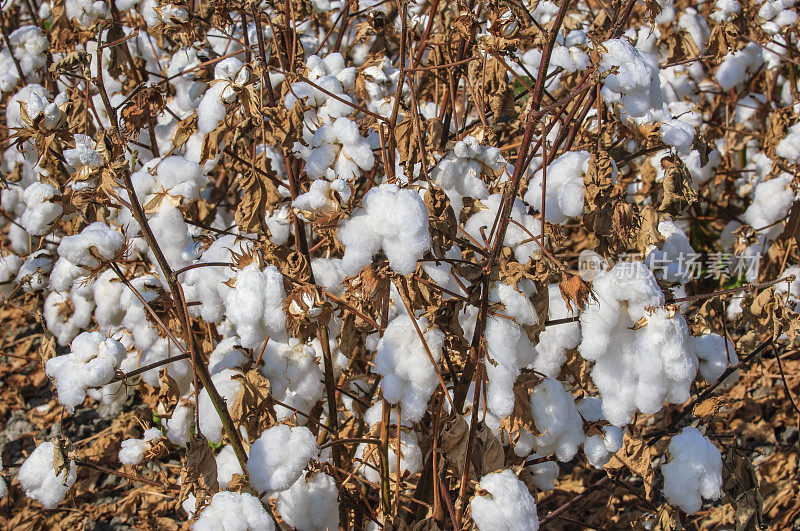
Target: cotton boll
x: 232, y: 511
x: 338, y: 146
x: 254, y: 305
x: 543, y: 474
x: 34, y: 273
x: 85, y: 12
x: 226, y: 356
x: 518, y: 238
x: 671, y: 262
x: 295, y: 376
x: 132, y: 451
x: 227, y: 466
x: 564, y: 191
x: 107, y: 294
x: 38, y: 478
x: 92, y: 362
x: 557, y: 419
x: 694, y: 471
x: 507, y: 505
x: 736, y: 66
x: 402, y: 361
x: 772, y: 200
x: 600, y: 447
x: 9, y: 267
x: 180, y: 424
x: 555, y: 341
x: 228, y: 386
x: 636, y: 367
x: 468, y: 167
x: 635, y: 86
x: 410, y: 456
x: 67, y: 313
x: 510, y: 350
x: 392, y: 219
x: 40, y: 213
x: 311, y: 503
x: 328, y: 273
x: 716, y: 354
x: 270, y: 467
x: 85, y: 250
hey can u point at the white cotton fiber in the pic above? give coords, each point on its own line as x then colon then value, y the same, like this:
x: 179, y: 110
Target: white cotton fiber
x: 564, y: 187
x: 408, y: 377
x: 254, y: 305
x: 311, y: 503
x: 507, y: 505
x: 132, y: 450
x: 789, y: 147
x: 40, y: 212
x: 233, y: 511
x: 635, y: 367
x: 38, y: 478
x: 278, y: 457
x: 556, y: 340
x: 557, y: 420
x: 295, y: 376
x: 636, y: 85
x: 715, y: 355
x: 228, y: 386
x: 92, y: 362
x: 693, y: 472
x: 390, y: 219
x: 467, y: 168
x: 84, y: 250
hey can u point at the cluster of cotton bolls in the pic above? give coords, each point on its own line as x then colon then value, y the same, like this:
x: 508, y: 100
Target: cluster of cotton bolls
x: 231, y: 213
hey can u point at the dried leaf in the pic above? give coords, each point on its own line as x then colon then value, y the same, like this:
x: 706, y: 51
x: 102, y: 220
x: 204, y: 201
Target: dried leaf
x: 635, y: 455
x: 574, y: 290
x: 199, y: 471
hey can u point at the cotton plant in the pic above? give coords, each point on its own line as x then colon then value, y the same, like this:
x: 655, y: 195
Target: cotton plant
x: 232, y: 510
x: 230, y: 76
x: 270, y: 468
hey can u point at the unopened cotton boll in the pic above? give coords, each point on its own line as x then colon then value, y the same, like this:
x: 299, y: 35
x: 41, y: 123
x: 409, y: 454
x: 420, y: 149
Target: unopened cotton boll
x: 132, y: 450
x: 507, y: 506
x: 408, y: 377
x: 557, y: 419
x: 390, y: 219
x: 311, y: 503
x: 233, y: 511
x: 564, y: 187
x: 92, y: 362
x: 270, y: 467
x: 693, y: 472
x: 38, y: 478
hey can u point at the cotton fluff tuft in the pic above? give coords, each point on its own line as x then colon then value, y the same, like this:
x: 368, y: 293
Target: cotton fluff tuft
x: 84, y: 251
x: 715, y: 355
x: 555, y: 341
x: 132, y: 450
x: 232, y: 511
x: 636, y: 85
x: 311, y: 503
x: 278, y: 457
x: 92, y: 362
x: 39, y: 480
x: 694, y: 471
x: 228, y: 386
x: 254, y: 305
x: 338, y: 146
x: 557, y: 419
x: 789, y: 147
x: 40, y: 213
x: 295, y: 376
x: 402, y: 361
x: 507, y: 506
x: 466, y: 168
x: 392, y: 219
x: 230, y: 75
x: 564, y: 191
x: 635, y: 368
x: 517, y: 237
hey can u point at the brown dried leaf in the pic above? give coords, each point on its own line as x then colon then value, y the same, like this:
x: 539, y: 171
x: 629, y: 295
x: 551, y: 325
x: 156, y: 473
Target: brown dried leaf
x: 252, y: 407
x: 723, y: 38
x: 635, y: 455
x: 199, y: 471
x: 574, y: 290
x: 678, y: 190
x: 708, y: 407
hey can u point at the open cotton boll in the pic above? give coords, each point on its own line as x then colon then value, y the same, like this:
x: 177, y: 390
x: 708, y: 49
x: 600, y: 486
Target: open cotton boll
x: 255, y: 305
x: 230, y: 75
x: 33, y: 274
x: 226, y: 356
x: 789, y: 147
x: 390, y: 219
x: 636, y: 367
x: 228, y: 386
x: 181, y: 423
x: 85, y: 12
x: 693, y: 472
x: 295, y: 376
x: 233, y: 511
x: 322, y: 197
x: 716, y: 355
x: 38, y: 478
x: 672, y: 262
x: 338, y: 146
x: 635, y: 86
x: 408, y: 377
x: 772, y: 200
x: 227, y: 466
x: 40, y: 213
x: 543, y: 474
x: 555, y: 341
x: 557, y: 419
x: 278, y: 457
x: 507, y: 506
x: 107, y: 293
x: 410, y: 456
x: 92, y: 362
x: 736, y: 66
x: 467, y: 168
x: 86, y: 249
x: 564, y: 191
x: 132, y: 450
x: 66, y: 313
x: 9, y: 267
x: 332, y: 64
x: 517, y: 237
x: 311, y: 503
x: 83, y: 154
x: 600, y: 447
x: 28, y: 44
